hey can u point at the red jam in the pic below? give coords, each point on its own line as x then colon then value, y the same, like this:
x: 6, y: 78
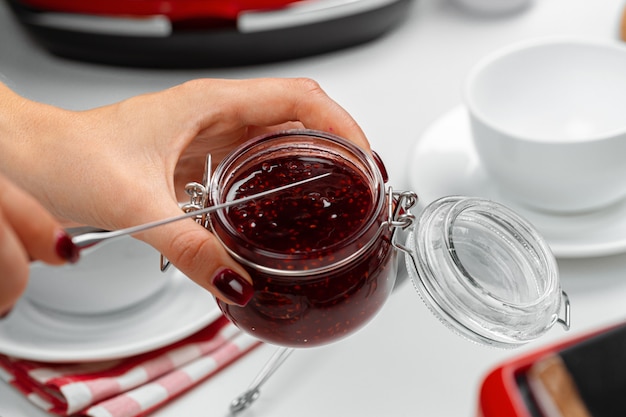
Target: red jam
x: 302, y: 229
x: 305, y: 224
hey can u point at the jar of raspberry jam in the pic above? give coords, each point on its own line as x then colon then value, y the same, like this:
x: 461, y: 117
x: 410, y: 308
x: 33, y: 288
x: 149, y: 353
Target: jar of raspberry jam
x: 323, y: 255
x: 320, y: 254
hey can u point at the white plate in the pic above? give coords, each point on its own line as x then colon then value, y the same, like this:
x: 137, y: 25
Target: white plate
x: 443, y: 162
x: 178, y: 310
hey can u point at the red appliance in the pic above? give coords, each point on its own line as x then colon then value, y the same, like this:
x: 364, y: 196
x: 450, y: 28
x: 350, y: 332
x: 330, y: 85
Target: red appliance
x: 203, y: 33
x: 595, y: 363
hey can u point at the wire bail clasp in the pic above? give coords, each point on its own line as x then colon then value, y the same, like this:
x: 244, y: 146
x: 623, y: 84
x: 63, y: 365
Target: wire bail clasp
x: 566, y: 320
x: 399, y: 204
x: 198, y: 199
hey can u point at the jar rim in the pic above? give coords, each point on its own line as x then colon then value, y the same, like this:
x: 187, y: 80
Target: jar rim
x: 242, y: 154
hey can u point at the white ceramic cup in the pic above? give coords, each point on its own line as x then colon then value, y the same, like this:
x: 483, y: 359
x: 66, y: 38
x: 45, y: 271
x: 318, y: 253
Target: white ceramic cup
x: 494, y: 7
x: 109, y: 277
x: 548, y: 122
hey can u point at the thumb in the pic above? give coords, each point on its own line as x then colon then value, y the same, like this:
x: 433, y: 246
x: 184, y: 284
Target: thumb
x: 199, y: 255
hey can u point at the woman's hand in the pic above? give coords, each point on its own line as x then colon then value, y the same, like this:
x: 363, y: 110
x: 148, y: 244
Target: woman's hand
x: 124, y: 164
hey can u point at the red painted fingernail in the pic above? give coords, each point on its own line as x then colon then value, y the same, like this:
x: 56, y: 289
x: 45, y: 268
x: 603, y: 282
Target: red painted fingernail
x: 233, y: 286
x: 66, y: 249
x: 381, y: 166
x: 6, y: 313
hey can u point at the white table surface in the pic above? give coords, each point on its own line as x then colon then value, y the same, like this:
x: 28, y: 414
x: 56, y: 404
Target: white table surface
x: 405, y: 362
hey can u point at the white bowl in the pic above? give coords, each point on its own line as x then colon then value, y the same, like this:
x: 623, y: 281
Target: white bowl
x: 548, y: 122
x: 109, y: 277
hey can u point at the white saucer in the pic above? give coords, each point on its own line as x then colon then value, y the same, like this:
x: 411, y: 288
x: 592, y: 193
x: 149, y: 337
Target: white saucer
x: 443, y: 162
x: 178, y: 310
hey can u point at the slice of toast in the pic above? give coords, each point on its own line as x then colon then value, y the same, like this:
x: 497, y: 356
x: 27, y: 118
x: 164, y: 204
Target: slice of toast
x: 584, y: 380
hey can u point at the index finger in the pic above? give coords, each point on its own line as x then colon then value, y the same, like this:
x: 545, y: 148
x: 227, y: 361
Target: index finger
x: 39, y: 233
x: 274, y: 101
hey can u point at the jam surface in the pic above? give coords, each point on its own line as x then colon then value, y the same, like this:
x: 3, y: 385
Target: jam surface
x: 304, y: 228
x: 304, y: 220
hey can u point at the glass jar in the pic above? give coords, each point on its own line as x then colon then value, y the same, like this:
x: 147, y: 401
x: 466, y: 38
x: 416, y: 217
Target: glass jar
x: 323, y: 255
x: 320, y: 254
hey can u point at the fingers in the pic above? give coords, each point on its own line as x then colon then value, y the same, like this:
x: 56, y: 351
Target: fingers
x: 269, y: 102
x: 40, y: 234
x: 201, y: 257
x: 27, y: 232
x: 14, y: 264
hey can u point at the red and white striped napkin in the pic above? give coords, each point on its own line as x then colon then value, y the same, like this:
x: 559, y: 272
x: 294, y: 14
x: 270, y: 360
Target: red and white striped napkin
x: 131, y: 386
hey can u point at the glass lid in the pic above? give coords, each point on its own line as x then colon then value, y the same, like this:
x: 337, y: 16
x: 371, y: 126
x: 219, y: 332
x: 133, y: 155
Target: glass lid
x: 485, y: 272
